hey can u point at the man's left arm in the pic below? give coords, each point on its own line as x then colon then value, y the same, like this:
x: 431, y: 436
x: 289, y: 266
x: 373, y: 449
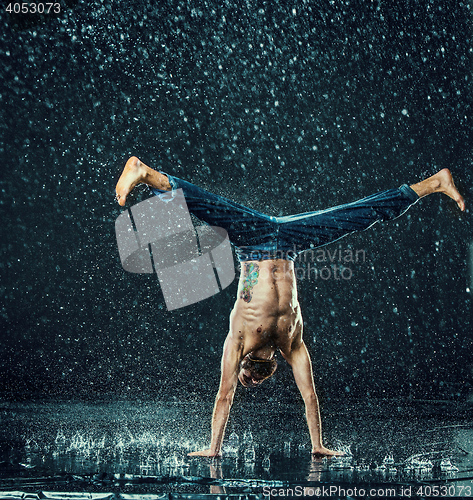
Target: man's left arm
x: 224, y: 399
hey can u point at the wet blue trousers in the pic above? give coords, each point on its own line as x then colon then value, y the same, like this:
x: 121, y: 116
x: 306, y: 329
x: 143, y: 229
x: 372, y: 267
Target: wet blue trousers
x: 257, y: 236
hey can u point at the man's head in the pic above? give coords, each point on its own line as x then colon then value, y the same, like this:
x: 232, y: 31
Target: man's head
x: 253, y: 371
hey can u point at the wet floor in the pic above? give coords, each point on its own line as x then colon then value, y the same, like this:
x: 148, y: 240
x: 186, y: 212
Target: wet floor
x: 136, y: 448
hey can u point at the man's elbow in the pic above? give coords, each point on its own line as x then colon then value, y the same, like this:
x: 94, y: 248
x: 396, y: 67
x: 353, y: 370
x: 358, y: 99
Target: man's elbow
x: 310, y: 398
x: 225, y: 398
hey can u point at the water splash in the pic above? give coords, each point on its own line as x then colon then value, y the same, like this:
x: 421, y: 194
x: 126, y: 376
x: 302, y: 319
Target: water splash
x: 232, y: 447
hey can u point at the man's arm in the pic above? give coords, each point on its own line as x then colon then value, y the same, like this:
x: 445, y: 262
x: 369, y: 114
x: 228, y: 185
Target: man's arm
x: 223, y: 402
x: 301, y: 365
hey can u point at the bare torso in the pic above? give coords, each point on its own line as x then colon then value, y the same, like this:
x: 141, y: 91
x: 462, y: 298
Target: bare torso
x: 266, y: 315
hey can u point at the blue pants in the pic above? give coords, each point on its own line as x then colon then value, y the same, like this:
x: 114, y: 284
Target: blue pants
x: 257, y: 236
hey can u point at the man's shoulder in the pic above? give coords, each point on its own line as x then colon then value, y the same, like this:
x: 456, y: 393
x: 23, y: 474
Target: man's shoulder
x: 234, y: 341
x: 292, y: 341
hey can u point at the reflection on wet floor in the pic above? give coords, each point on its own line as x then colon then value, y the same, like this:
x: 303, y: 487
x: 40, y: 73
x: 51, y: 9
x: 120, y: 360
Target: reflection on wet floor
x: 144, y: 447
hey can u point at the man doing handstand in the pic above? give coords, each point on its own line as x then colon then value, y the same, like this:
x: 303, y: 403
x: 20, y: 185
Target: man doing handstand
x: 266, y: 316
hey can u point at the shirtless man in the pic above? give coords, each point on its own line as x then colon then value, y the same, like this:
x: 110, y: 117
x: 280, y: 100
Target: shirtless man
x: 266, y: 316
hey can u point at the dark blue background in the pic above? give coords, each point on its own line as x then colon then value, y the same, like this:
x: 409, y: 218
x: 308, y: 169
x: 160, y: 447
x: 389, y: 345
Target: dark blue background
x: 283, y: 106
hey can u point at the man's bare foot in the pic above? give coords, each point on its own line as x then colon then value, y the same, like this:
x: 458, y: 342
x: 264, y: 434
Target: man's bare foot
x: 441, y: 182
x: 325, y: 452
x: 134, y: 173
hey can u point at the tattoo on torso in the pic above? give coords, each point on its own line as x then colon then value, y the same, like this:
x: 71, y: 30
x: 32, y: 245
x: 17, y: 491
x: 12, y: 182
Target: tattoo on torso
x: 251, y: 274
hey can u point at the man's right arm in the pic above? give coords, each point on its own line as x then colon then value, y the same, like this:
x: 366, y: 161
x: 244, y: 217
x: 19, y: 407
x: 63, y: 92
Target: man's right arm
x: 299, y: 359
x: 223, y: 402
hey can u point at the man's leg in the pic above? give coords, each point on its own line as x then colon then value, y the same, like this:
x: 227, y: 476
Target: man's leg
x: 441, y: 182
x: 250, y: 229
x: 245, y: 227
x: 314, y: 229
x: 136, y: 172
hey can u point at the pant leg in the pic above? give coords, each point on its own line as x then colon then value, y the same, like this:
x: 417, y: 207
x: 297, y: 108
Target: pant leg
x: 314, y: 229
x: 246, y: 228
